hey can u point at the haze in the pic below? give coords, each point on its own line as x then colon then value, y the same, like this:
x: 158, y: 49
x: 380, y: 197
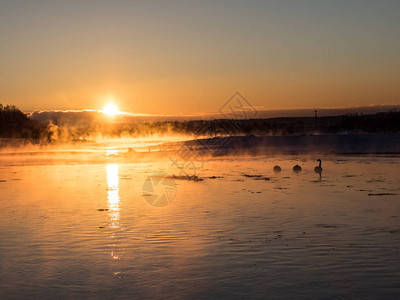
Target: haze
x: 181, y: 57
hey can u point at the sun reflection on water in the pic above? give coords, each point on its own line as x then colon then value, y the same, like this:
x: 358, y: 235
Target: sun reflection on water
x: 113, y: 195
x: 113, y: 205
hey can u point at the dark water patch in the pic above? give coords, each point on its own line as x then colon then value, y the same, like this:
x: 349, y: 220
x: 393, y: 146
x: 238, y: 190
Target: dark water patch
x: 371, y: 210
x: 382, y: 194
x: 262, y: 178
x: 256, y: 177
x: 385, y: 229
x: 186, y: 177
x: 252, y: 176
x: 329, y: 225
x: 102, y: 209
x: 3, y: 180
x: 375, y: 180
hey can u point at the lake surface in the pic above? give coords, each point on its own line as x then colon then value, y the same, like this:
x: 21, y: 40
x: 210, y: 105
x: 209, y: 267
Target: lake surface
x: 82, y: 224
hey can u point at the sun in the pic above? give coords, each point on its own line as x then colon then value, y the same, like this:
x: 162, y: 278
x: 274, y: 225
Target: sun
x: 110, y: 109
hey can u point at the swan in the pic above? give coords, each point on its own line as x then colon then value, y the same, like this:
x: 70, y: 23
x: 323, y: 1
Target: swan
x: 277, y: 168
x: 318, y: 169
x: 296, y: 168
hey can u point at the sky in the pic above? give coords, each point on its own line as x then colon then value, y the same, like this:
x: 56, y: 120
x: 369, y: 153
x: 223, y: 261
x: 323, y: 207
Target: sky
x: 187, y: 57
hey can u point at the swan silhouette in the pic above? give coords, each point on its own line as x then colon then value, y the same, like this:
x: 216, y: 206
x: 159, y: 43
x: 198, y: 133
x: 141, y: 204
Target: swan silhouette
x: 277, y: 168
x: 318, y: 169
x: 296, y: 168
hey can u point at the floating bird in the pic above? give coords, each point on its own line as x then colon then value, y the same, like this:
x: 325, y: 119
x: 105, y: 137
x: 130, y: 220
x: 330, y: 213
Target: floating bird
x: 296, y: 168
x: 318, y: 169
x: 277, y: 169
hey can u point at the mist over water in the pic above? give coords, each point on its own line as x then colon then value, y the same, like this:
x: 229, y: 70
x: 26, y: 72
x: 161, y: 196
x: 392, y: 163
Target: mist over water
x: 200, y: 209
x: 78, y: 222
x: 199, y: 150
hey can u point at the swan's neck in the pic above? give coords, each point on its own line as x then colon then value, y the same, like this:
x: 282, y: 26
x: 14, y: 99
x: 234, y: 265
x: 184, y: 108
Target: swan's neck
x: 320, y: 163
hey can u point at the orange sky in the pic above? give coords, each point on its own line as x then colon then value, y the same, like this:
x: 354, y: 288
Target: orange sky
x: 183, y: 58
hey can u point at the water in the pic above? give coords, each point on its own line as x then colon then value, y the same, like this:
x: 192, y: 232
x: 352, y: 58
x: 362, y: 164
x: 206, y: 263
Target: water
x: 80, y: 225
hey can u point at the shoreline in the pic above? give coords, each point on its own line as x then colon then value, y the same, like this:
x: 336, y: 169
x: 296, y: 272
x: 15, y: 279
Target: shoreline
x: 384, y: 143
x: 336, y: 144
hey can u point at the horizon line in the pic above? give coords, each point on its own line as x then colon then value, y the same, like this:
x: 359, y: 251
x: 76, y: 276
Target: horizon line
x: 334, y: 110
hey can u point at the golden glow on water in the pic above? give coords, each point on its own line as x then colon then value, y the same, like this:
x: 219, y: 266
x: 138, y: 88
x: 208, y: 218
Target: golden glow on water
x: 113, y: 195
x: 54, y: 217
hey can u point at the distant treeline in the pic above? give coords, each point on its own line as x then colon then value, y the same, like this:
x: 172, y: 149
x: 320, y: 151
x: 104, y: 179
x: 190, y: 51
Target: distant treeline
x: 15, y: 124
x: 376, y: 123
